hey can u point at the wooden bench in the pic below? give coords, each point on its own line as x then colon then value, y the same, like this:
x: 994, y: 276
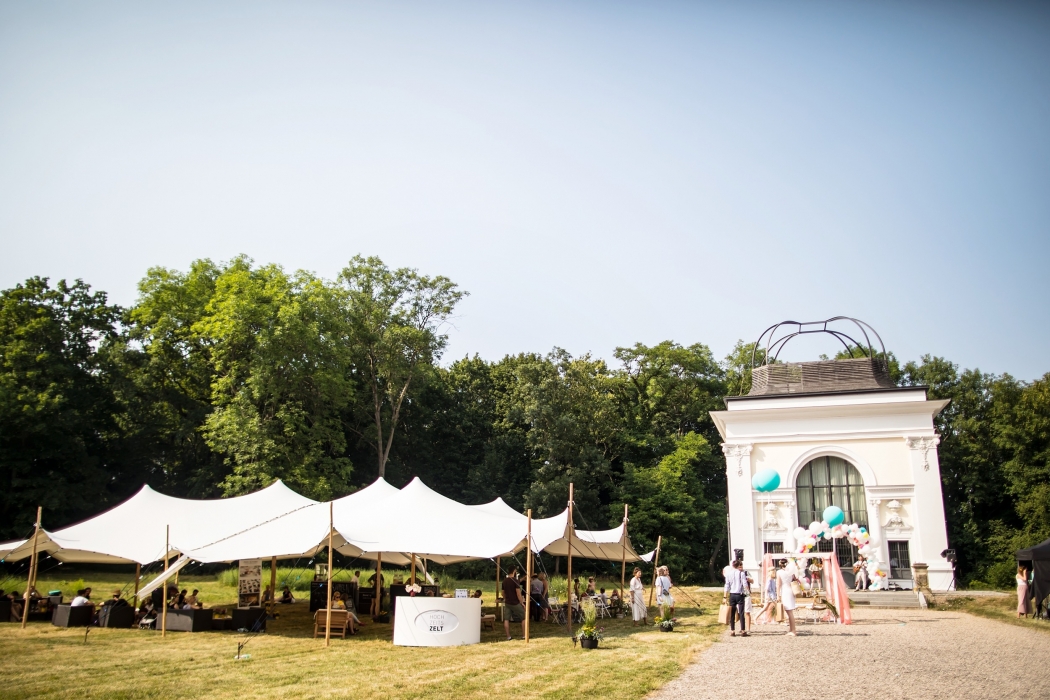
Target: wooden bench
x: 488, y: 622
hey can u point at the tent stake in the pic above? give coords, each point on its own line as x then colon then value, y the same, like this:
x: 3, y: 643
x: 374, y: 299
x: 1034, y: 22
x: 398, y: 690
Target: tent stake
x: 328, y: 611
x: 32, y: 569
x: 528, y: 579
x: 656, y: 566
x: 164, y: 598
x: 623, y: 560
x: 569, y: 563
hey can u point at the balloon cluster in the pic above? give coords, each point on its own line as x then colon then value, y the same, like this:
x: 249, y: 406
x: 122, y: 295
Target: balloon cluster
x: 833, y: 527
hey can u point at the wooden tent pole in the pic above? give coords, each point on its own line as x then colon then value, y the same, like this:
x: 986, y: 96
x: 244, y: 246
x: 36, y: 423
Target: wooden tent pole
x: 273, y: 585
x: 164, y: 598
x: 623, y: 559
x: 656, y: 566
x: 569, y: 562
x: 32, y: 568
x: 499, y: 608
x: 413, y: 569
x: 528, y: 578
x: 138, y: 575
x: 328, y: 607
x: 377, y: 604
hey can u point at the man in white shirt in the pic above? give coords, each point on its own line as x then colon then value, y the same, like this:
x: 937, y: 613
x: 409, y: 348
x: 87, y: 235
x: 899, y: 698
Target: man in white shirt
x: 737, y: 588
x: 81, y: 599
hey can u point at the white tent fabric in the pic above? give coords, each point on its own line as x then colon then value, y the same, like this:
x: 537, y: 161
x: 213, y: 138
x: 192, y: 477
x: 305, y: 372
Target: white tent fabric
x: 379, y: 520
x: 302, y: 533
x: 551, y: 535
x: 424, y: 522
x: 163, y: 576
x: 648, y: 556
x: 134, y: 531
x: 498, y: 507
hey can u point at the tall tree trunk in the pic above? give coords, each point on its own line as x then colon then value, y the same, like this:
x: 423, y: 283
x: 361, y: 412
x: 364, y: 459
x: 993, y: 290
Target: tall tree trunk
x: 714, y: 555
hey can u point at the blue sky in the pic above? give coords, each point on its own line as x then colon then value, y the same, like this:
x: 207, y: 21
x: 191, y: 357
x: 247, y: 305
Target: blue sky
x: 595, y: 174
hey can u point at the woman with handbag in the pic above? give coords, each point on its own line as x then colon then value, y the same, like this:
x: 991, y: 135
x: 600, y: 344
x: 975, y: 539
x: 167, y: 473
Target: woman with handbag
x: 785, y: 577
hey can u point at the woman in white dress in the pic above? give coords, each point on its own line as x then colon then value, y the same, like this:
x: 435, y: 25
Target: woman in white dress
x: 786, y: 596
x: 638, y: 598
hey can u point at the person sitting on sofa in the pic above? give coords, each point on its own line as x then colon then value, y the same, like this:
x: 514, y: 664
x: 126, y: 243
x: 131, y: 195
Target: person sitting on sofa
x: 115, y: 600
x: 192, y: 601
x: 82, y: 598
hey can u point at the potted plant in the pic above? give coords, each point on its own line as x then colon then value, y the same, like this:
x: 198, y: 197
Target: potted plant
x: 666, y: 624
x: 590, y: 634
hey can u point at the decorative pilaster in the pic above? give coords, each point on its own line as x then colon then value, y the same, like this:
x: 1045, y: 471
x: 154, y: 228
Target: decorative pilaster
x: 738, y: 452
x: 924, y: 445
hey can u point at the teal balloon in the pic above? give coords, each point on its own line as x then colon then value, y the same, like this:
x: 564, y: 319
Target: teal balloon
x: 766, y: 480
x: 833, y: 516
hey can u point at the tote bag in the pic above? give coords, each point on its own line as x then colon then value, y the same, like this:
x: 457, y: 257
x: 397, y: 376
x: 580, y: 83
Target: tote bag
x: 723, y: 613
x: 780, y: 616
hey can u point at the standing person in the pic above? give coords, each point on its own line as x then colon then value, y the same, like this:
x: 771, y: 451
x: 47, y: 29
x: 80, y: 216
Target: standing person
x: 513, y: 603
x: 735, y: 589
x: 860, y: 573
x: 356, y: 579
x: 638, y: 598
x: 663, y: 592
x: 545, y: 596
x: 1022, y: 591
x: 536, y: 598
x: 770, y: 594
x: 787, y: 597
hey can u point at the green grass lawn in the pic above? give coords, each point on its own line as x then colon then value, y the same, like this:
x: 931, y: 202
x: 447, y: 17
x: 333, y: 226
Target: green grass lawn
x: 47, y: 662
x: 1002, y: 608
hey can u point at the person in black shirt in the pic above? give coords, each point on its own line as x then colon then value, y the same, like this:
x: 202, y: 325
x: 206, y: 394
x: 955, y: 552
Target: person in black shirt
x: 513, y: 602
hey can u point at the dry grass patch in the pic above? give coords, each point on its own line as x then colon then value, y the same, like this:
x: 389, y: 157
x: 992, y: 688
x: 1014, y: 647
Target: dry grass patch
x: 48, y: 662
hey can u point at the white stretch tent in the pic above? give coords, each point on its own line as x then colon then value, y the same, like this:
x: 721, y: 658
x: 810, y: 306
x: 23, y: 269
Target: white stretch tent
x: 134, y: 531
x: 422, y: 521
x: 277, y: 522
x: 301, y: 533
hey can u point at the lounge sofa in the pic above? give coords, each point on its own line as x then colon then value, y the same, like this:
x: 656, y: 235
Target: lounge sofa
x: 73, y: 616
x: 195, y: 620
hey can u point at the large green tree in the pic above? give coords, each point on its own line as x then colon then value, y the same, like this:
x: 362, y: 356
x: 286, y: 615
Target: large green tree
x: 395, y: 320
x: 60, y: 437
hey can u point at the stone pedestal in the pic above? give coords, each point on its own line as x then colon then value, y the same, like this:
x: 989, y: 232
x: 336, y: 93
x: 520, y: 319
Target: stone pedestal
x: 920, y: 572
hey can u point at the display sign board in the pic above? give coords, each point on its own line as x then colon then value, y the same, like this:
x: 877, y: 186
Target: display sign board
x: 249, y: 582
x: 462, y: 593
x: 437, y: 622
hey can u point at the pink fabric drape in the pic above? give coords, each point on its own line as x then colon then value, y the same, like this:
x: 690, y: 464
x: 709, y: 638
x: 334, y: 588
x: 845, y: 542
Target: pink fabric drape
x: 838, y: 594
x: 767, y: 564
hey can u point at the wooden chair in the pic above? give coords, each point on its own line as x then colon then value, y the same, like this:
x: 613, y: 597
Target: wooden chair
x: 488, y: 622
x: 341, y: 623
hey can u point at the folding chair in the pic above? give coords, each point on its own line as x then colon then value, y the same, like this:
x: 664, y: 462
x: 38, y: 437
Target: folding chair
x: 340, y: 623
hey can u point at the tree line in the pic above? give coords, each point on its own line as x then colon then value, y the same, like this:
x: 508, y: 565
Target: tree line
x: 227, y: 376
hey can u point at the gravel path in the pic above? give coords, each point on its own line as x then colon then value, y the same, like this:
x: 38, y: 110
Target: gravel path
x: 884, y: 653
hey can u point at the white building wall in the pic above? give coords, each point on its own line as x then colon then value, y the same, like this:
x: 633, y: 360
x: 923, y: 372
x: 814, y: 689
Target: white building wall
x: 888, y: 436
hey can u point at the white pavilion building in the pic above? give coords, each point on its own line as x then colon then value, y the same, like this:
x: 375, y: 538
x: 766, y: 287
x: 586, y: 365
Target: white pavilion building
x: 838, y: 432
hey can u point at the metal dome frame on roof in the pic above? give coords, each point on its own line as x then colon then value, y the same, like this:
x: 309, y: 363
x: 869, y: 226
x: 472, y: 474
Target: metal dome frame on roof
x: 774, y: 345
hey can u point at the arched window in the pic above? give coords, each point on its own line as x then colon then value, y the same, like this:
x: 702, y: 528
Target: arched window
x: 830, y: 481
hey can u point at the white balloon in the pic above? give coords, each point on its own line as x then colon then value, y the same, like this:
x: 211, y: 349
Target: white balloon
x: 815, y: 527
x: 791, y: 569
x: 799, y: 533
